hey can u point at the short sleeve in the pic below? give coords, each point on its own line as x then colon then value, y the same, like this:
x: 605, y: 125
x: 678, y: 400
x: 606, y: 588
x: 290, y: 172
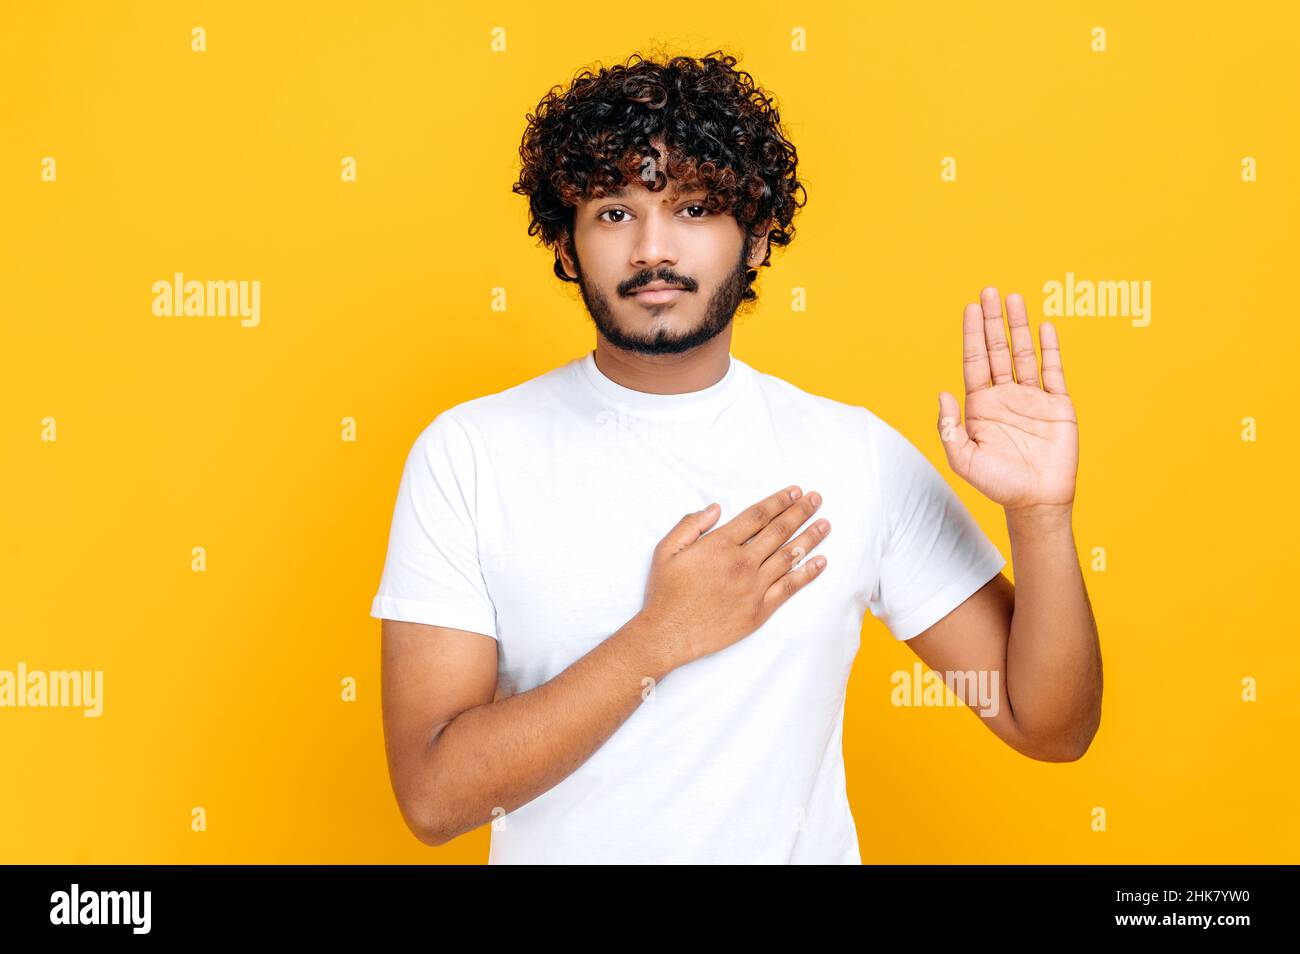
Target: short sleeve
x: 933, y: 553
x: 432, y: 572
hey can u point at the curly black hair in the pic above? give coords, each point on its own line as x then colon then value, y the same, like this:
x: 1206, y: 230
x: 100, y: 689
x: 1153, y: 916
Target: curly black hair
x: 723, y: 135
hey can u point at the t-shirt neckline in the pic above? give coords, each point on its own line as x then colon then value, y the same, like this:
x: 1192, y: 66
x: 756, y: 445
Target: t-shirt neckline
x: 689, y: 405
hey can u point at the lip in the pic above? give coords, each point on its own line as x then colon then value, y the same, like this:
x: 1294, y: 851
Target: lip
x: 656, y: 296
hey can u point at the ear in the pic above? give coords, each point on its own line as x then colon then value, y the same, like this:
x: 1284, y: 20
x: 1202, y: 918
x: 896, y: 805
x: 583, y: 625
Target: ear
x: 562, y: 248
x: 758, y: 249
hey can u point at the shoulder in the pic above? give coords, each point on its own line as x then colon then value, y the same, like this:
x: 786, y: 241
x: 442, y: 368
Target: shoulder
x: 824, y: 409
x: 842, y: 419
x: 895, y: 457
x: 515, y: 409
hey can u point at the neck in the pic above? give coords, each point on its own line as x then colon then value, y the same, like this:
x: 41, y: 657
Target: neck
x: 692, y: 370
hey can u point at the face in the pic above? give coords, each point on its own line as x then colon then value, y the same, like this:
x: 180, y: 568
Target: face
x: 629, y: 239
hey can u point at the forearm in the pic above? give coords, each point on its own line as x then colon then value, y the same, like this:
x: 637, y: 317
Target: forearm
x: 1053, y: 666
x: 504, y: 754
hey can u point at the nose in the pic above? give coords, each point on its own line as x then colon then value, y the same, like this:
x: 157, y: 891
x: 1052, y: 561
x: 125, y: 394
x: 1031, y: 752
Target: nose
x: 654, y: 242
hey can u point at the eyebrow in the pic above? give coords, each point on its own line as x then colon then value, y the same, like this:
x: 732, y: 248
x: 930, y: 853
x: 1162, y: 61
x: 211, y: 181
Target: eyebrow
x: 676, y: 192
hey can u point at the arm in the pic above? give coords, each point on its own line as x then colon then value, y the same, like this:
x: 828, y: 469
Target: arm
x: 455, y: 752
x: 1019, y: 446
x: 1039, y: 637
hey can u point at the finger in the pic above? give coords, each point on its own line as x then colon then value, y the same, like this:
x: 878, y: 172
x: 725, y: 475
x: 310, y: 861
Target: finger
x: 767, y: 540
x: 996, y: 336
x: 1053, y: 372
x: 975, y: 354
x: 754, y: 518
x: 788, y: 584
x: 951, y: 429
x: 689, y: 529
x: 787, y: 557
x: 1022, y: 341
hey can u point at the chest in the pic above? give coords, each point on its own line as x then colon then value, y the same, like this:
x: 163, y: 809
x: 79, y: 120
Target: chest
x: 567, y: 535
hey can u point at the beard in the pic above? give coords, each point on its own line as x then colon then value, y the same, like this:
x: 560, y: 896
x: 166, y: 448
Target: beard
x: 717, y: 315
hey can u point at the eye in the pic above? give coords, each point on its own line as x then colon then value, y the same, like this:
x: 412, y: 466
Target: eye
x: 705, y: 213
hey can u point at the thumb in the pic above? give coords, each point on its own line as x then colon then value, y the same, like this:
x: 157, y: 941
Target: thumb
x: 689, y: 529
x: 952, y: 432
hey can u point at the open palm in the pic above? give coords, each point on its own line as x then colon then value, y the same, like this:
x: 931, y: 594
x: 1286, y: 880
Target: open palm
x: 1019, y: 445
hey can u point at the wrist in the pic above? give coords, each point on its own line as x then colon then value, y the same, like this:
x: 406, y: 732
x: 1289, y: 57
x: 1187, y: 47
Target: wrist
x: 658, y: 643
x: 1041, y: 516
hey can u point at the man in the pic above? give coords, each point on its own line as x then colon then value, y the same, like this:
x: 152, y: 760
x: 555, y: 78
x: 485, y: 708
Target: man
x: 568, y: 657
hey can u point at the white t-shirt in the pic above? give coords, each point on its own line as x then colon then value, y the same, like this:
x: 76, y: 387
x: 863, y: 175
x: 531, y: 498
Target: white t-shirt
x: 530, y: 515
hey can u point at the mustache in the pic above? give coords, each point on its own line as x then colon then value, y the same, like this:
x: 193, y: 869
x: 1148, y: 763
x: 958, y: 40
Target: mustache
x: 632, y: 287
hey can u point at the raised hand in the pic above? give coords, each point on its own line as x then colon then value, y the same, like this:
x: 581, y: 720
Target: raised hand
x: 1019, y: 445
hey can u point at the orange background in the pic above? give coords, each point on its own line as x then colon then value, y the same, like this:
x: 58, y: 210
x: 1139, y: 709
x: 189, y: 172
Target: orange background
x: 223, y: 688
